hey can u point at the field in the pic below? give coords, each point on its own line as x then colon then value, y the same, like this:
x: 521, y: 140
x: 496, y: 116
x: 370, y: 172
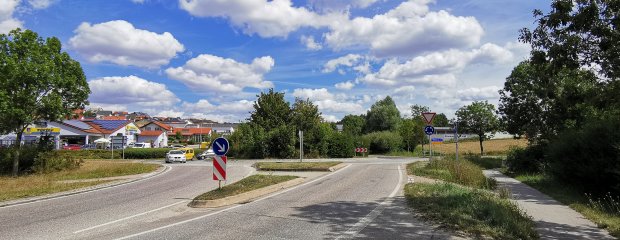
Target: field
x: 497, y: 146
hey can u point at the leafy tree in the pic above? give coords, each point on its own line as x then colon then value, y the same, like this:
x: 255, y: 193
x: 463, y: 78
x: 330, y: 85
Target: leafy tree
x: 410, y: 131
x: 479, y: 118
x: 383, y: 116
x: 441, y: 120
x: 540, y: 105
x: 305, y: 115
x: 271, y: 110
x: 39, y: 82
x: 353, y: 124
x: 416, y: 113
x: 417, y: 110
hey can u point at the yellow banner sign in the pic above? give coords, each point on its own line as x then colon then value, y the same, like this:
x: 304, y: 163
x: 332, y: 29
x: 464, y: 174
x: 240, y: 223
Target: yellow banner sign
x: 34, y: 130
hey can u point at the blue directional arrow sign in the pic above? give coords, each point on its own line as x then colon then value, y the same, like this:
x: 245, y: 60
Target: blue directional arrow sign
x: 220, y: 146
x: 429, y: 130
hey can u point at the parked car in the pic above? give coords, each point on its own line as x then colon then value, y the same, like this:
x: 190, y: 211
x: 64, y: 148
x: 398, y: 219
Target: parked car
x: 189, y: 153
x: 175, y: 156
x: 206, y: 154
x: 141, y: 145
x: 72, y: 147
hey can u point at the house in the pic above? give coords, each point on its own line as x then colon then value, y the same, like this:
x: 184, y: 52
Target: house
x: 109, y: 128
x: 224, y: 129
x: 193, y: 134
x: 155, y: 126
x: 156, y: 138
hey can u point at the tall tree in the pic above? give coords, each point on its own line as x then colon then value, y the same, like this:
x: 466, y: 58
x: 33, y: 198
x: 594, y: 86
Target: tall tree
x: 441, y: 120
x: 353, y: 124
x: 478, y: 118
x: 416, y: 113
x: 383, y: 116
x: 305, y: 115
x: 271, y: 110
x: 39, y: 82
x: 411, y: 132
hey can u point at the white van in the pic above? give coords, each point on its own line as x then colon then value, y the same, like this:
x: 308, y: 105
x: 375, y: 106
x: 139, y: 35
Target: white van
x: 142, y: 145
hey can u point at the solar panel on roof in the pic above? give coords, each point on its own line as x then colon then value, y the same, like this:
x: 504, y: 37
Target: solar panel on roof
x: 77, y: 123
x: 110, y: 124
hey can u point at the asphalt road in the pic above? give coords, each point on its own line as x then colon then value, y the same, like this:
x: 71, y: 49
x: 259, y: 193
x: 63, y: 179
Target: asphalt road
x: 362, y: 200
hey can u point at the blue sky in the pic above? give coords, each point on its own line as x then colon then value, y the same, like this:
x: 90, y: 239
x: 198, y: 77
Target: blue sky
x: 209, y: 58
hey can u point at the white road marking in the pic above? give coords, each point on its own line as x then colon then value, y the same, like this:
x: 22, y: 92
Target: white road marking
x: 362, y: 223
x: 125, y: 218
x: 168, y: 168
x: 230, y: 208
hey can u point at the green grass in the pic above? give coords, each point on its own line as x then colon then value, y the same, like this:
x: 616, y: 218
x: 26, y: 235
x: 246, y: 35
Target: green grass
x: 474, y: 211
x: 101, y: 169
x: 485, y: 162
x: 244, y: 185
x: 41, y: 184
x: 295, y: 166
x: 447, y: 169
x: 576, y: 199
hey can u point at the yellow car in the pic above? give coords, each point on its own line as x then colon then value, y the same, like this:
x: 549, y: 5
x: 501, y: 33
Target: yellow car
x: 189, y: 153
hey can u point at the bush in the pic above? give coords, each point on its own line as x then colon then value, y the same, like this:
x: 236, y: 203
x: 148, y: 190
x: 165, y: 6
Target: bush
x: 145, y: 153
x: 383, y: 142
x: 53, y: 161
x: 526, y: 160
x: 341, y: 145
x: 92, y: 153
x: 26, y: 158
x: 588, y: 158
x: 281, y: 142
x: 448, y: 169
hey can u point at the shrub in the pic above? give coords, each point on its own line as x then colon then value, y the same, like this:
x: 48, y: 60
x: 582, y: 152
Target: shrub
x: 383, y: 142
x: 526, y: 160
x: 27, y: 157
x: 281, y: 142
x: 448, y: 169
x: 588, y: 158
x: 146, y: 153
x: 341, y: 145
x: 92, y: 153
x: 53, y: 161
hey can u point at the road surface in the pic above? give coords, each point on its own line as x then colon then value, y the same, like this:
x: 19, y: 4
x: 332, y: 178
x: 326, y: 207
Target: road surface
x: 362, y: 200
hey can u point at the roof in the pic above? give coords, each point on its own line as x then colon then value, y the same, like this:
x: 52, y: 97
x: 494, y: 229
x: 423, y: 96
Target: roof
x: 162, y: 125
x: 77, y: 124
x: 192, y: 131
x: 114, y: 118
x: 108, y: 126
x: 151, y: 133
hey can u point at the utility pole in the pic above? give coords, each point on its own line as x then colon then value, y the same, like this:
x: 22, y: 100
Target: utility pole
x: 301, y: 146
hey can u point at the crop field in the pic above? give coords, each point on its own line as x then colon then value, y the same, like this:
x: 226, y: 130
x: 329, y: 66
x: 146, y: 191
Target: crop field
x: 497, y: 146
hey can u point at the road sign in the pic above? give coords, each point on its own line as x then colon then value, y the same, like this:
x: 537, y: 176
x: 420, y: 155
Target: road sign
x: 428, y: 117
x: 437, y: 140
x: 429, y: 130
x: 219, y: 168
x: 220, y: 146
x: 361, y: 150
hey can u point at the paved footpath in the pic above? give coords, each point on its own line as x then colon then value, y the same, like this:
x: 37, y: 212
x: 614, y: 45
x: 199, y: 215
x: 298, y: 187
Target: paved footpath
x: 554, y: 220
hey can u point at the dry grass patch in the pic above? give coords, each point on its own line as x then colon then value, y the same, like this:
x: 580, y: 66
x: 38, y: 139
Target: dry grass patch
x: 497, y: 146
x: 244, y: 185
x: 41, y: 184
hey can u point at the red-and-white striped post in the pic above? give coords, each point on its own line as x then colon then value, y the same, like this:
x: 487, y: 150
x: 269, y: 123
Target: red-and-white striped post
x: 219, y: 168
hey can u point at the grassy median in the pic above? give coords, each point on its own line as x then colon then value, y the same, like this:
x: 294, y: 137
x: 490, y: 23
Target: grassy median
x: 41, y: 184
x: 474, y: 211
x: 295, y: 166
x: 449, y: 170
x: 244, y: 185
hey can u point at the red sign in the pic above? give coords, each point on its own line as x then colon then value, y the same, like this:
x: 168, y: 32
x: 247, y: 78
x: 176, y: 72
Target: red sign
x: 219, y: 168
x: 428, y: 117
x: 361, y: 150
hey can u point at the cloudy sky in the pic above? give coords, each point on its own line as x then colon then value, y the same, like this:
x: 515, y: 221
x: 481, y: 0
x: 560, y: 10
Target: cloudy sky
x: 210, y: 58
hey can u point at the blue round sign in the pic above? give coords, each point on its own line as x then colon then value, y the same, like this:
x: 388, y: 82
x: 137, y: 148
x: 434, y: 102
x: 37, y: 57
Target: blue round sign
x: 220, y: 146
x: 429, y: 130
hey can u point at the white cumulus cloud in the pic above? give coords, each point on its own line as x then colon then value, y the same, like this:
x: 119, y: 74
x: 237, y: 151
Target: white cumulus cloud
x: 348, y: 60
x: 119, y: 42
x: 7, y: 21
x: 208, y: 73
x: 406, y: 30
x: 348, y: 85
x: 310, y: 44
x: 275, y: 18
x: 132, y: 91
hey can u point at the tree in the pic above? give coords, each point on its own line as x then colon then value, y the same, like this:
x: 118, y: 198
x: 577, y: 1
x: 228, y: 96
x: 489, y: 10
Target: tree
x: 416, y: 113
x: 39, y: 82
x: 441, y: 120
x: 410, y: 131
x: 305, y: 115
x: 353, y: 124
x: 417, y: 110
x: 478, y: 118
x: 383, y: 116
x: 271, y: 110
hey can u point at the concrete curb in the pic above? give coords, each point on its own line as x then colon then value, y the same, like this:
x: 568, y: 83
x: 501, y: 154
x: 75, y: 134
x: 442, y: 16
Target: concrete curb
x: 246, y: 196
x: 337, y: 167
x: 51, y: 196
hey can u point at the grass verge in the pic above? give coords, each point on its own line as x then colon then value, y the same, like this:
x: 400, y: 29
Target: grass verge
x: 474, y: 211
x: 295, y: 166
x: 575, y: 199
x: 447, y: 169
x: 485, y: 162
x: 491, y: 147
x: 41, y: 184
x: 244, y: 185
